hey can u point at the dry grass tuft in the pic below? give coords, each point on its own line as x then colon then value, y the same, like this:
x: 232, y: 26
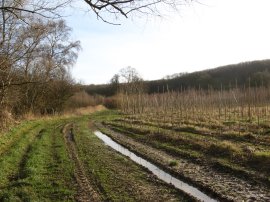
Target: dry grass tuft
x: 5, y: 119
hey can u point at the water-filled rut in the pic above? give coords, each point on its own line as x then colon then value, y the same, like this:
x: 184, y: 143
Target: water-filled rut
x: 166, y: 177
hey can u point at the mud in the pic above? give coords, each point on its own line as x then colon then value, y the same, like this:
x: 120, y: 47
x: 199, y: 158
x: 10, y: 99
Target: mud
x: 162, y: 175
x: 220, y: 184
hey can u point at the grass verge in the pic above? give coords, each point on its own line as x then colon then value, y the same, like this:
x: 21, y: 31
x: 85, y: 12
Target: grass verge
x: 36, y: 167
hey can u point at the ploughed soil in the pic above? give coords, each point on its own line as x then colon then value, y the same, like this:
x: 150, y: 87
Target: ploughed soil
x: 218, y: 183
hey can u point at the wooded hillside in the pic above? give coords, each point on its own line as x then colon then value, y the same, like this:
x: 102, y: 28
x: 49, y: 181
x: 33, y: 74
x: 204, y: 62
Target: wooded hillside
x: 254, y: 73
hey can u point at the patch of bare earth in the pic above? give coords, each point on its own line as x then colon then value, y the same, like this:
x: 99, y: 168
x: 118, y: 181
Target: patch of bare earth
x: 85, y: 189
x: 225, y: 186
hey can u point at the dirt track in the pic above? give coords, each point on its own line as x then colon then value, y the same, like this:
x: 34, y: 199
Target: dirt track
x: 85, y: 189
x: 226, y: 187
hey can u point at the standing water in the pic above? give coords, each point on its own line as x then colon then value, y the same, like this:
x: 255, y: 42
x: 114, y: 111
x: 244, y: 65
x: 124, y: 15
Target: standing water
x: 166, y: 177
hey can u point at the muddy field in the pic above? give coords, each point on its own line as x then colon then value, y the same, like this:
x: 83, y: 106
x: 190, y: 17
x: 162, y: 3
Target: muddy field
x: 62, y: 160
x: 197, y: 155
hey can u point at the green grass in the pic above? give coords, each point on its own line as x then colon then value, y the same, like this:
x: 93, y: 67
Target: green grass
x: 11, y: 157
x: 106, y: 115
x: 37, y: 166
x: 14, y: 135
x: 173, y: 163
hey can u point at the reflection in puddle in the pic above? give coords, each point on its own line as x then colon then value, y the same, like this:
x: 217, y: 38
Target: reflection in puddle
x: 166, y: 177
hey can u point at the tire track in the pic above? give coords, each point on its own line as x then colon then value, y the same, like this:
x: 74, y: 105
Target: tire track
x: 85, y: 189
x: 221, y: 185
x: 22, y: 173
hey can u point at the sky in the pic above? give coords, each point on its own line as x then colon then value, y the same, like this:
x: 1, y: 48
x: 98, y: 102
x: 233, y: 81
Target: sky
x: 198, y: 36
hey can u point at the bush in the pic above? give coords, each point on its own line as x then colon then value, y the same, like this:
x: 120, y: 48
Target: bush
x: 83, y: 99
x: 110, y: 103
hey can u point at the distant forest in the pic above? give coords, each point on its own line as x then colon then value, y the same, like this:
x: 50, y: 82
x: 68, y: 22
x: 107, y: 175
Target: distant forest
x: 242, y: 75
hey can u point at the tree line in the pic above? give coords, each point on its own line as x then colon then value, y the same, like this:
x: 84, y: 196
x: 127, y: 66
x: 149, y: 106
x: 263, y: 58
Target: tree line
x: 242, y: 75
x: 36, y: 54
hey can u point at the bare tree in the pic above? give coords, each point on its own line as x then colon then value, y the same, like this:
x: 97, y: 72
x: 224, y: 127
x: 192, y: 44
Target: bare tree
x: 131, y: 88
x: 104, y: 9
x: 132, y: 82
x: 125, y: 7
x: 114, y: 83
x: 129, y: 75
x: 44, y: 8
x: 56, y: 55
x: 32, y: 56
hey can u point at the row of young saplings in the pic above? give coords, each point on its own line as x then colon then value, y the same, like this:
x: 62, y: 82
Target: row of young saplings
x: 235, y: 107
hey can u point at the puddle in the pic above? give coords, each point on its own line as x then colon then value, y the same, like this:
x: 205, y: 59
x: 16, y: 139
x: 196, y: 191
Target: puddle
x: 166, y: 177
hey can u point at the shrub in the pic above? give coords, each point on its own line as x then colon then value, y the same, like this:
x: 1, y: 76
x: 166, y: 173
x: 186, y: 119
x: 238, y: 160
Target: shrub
x: 110, y: 103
